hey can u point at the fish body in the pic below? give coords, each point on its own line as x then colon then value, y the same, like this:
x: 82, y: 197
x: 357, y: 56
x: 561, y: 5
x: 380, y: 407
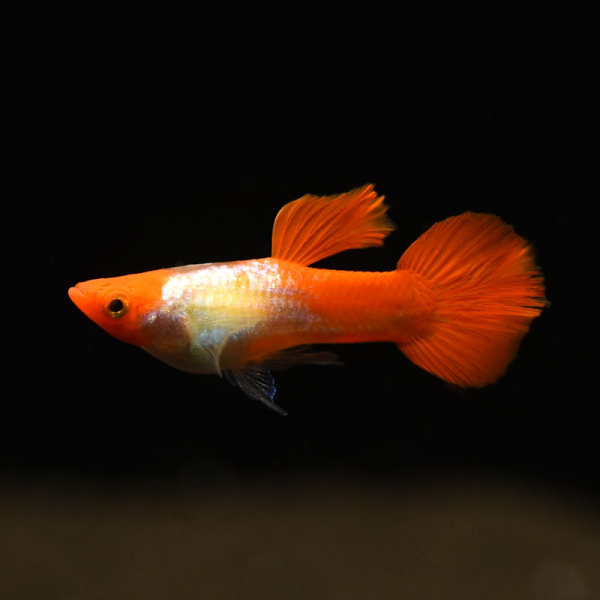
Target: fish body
x: 458, y: 303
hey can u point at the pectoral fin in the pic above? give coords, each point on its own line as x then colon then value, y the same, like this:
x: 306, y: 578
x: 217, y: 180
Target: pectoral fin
x: 213, y: 331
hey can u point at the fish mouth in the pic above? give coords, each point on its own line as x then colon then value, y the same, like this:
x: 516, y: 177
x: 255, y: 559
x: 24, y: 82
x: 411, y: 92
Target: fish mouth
x: 76, y: 295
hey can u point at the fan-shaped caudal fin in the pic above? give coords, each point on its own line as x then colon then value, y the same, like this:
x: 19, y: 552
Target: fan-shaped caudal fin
x: 315, y: 227
x: 489, y: 290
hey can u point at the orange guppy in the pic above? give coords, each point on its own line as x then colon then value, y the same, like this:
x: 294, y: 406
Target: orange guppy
x: 458, y: 303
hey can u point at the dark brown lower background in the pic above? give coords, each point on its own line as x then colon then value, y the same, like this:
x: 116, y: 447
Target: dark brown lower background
x: 302, y: 537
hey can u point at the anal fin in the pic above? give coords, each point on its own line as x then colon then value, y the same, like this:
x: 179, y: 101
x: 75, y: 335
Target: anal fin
x: 300, y: 355
x: 256, y: 381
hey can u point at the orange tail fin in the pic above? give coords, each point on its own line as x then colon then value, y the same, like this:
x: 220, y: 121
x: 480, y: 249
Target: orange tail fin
x: 489, y: 290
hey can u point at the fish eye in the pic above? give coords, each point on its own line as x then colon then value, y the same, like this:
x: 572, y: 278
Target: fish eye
x: 117, y: 307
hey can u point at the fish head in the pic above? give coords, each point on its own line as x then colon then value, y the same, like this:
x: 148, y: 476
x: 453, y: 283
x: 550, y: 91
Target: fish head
x: 119, y: 304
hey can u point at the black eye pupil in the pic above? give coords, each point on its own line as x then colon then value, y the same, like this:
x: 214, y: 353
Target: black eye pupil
x: 115, y: 306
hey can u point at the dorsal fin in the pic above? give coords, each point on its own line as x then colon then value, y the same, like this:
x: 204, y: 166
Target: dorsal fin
x: 315, y: 227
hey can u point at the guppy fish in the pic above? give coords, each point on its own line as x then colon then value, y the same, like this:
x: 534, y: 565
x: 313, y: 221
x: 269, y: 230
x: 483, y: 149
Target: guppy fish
x: 458, y: 303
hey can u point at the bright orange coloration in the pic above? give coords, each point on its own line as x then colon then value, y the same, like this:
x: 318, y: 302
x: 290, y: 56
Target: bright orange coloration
x: 488, y: 291
x: 458, y: 303
x: 139, y: 294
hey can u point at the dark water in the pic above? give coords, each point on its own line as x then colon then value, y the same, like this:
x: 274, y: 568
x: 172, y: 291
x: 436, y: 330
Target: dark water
x: 156, y: 137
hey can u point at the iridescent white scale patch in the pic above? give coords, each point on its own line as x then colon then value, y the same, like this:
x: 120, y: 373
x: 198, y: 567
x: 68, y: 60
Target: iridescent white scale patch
x: 259, y: 285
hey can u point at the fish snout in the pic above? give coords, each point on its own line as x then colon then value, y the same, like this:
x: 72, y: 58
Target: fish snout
x: 77, y: 295
x: 75, y: 292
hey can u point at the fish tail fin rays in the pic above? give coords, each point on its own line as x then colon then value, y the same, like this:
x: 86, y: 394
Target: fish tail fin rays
x: 315, y: 227
x: 488, y: 290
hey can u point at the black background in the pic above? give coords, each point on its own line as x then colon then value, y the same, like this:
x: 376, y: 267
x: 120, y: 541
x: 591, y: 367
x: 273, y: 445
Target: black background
x: 154, y: 137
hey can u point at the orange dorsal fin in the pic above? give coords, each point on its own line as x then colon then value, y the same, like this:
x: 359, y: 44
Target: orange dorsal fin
x: 315, y: 227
